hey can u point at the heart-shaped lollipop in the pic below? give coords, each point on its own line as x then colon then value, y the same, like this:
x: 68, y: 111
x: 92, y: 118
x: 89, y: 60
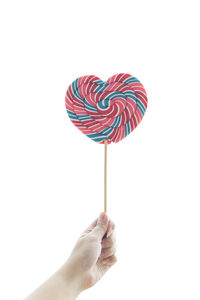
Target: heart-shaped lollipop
x: 106, y: 110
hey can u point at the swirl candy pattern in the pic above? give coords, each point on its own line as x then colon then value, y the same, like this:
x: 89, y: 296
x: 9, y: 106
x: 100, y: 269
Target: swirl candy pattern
x: 106, y: 110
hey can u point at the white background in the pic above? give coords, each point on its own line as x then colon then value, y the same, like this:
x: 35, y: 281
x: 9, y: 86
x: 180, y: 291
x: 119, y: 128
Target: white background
x: 52, y: 175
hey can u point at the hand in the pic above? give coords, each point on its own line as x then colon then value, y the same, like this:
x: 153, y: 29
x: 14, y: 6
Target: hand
x: 93, y: 254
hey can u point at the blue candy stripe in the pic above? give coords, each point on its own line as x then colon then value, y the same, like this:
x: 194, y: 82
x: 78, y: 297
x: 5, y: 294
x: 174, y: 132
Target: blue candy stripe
x: 115, y: 95
x: 75, y: 89
x: 97, y: 136
x: 100, y: 88
x: 72, y: 115
x: 103, y: 103
x: 99, y: 82
x: 141, y: 107
x: 117, y: 121
x: 131, y: 95
x: 84, y: 117
x: 127, y: 128
x: 106, y: 131
x: 98, y: 139
x: 131, y: 79
x: 89, y: 106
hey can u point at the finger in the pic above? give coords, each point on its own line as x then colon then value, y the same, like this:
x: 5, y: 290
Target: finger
x: 108, y: 229
x: 109, y: 261
x: 90, y: 227
x: 106, y: 252
x: 101, y: 226
x: 111, y: 228
x: 109, y: 242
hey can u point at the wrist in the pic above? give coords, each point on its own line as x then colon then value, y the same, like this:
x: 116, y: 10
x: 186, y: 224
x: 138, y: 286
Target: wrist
x: 70, y: 279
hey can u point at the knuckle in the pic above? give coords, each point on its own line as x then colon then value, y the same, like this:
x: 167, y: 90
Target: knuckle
x: 110, y: 251
x: 115, y: 259
x: 92, y: 237
x: 113, y: 238
x: 109, y: 241
x: 113, y: 249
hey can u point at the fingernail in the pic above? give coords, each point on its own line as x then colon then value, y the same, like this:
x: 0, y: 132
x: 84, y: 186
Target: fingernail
x: 103, y: 217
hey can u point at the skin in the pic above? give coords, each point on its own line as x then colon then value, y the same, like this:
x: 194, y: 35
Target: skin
x: 92, y: 256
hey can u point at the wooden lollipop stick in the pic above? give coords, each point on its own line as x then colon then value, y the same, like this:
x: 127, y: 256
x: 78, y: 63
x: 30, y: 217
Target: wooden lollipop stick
x: 105, y: 176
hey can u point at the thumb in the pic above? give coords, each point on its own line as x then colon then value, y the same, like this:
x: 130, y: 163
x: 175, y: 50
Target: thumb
x: 101, y: 226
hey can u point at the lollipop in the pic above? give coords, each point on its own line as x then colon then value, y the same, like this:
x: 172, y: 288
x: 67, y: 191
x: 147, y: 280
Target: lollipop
x: 106, y: 111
